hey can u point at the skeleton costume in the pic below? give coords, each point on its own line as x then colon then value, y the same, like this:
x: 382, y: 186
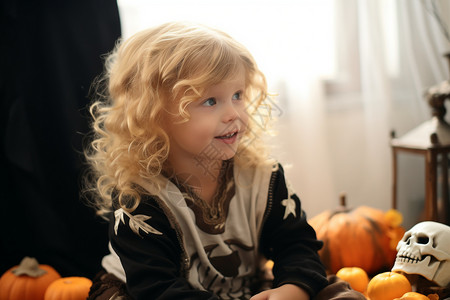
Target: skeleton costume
x: 176, y: 246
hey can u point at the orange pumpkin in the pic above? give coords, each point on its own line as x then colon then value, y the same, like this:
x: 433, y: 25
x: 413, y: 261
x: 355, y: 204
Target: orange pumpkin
x: 28, y: 281
x: 69, y: 288
x: 413, y: 296
x: 433, y: 296
x: 361, y: 237
x: 388, y: 286
x: 356, y: 277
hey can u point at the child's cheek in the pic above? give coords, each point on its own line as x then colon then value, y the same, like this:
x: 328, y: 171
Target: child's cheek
x: 203, y: 134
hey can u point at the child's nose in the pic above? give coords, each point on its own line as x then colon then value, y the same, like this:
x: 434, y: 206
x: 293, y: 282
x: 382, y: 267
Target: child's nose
x: 231, y: 113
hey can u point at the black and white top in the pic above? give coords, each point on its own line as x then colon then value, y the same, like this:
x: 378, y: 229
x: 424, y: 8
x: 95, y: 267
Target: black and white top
x: 176, y: 246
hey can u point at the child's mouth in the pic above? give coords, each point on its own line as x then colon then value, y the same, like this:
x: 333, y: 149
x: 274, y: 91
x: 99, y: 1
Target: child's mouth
x: 228, y: 138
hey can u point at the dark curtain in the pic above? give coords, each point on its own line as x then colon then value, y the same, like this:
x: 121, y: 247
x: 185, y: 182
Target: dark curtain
x: 50, y: 53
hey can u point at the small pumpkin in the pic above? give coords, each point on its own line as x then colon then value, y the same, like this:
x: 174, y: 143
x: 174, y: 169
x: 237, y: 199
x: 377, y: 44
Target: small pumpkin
x: 413, y: 296
x: 69, y: 288
x: 356, y: 277
x: 388, y: 286
x: 433, y: 296
x: 27, y: 281
x: 363, y: 237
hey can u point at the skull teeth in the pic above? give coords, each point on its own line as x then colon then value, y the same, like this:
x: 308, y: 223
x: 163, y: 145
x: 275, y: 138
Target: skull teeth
x: 408, y: 258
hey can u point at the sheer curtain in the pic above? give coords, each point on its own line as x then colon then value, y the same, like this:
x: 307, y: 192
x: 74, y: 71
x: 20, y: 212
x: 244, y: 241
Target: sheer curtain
x: 401, y: 48
x: 346, y: 73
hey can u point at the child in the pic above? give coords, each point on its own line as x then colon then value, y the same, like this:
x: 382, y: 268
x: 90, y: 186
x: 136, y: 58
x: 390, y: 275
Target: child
x: 194, y: 200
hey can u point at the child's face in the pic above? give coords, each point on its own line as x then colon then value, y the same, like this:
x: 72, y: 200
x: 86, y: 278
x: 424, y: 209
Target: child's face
x: 217, y: 122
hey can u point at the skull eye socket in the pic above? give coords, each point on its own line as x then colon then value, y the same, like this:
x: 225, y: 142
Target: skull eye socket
x: 422, y: 240
x: 407, y: 238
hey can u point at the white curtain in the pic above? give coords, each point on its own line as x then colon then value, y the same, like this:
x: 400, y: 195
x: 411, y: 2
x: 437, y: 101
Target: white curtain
x: 346, y: 72
x: 402, y: 48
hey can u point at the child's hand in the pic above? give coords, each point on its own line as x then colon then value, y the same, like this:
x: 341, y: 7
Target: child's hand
x: 284, y: 292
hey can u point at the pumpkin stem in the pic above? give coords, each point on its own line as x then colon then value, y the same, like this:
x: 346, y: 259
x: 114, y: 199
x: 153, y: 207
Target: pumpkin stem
x: 29, y: 266
x: 343, y: 200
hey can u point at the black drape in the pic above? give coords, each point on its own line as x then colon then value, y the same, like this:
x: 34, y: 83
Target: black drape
x: 50, y: 53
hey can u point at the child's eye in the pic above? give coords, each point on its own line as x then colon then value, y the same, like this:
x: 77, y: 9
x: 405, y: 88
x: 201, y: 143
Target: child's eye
x: 237, y: 96
x: 209, y: 102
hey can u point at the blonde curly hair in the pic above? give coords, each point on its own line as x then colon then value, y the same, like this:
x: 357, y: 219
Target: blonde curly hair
x: 143, y: 74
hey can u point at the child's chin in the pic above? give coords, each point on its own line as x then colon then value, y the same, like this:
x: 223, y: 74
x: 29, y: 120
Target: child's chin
x: 229, y: 154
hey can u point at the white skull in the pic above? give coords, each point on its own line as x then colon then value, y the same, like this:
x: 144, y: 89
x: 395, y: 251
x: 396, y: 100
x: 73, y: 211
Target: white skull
x: 425, y: 250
